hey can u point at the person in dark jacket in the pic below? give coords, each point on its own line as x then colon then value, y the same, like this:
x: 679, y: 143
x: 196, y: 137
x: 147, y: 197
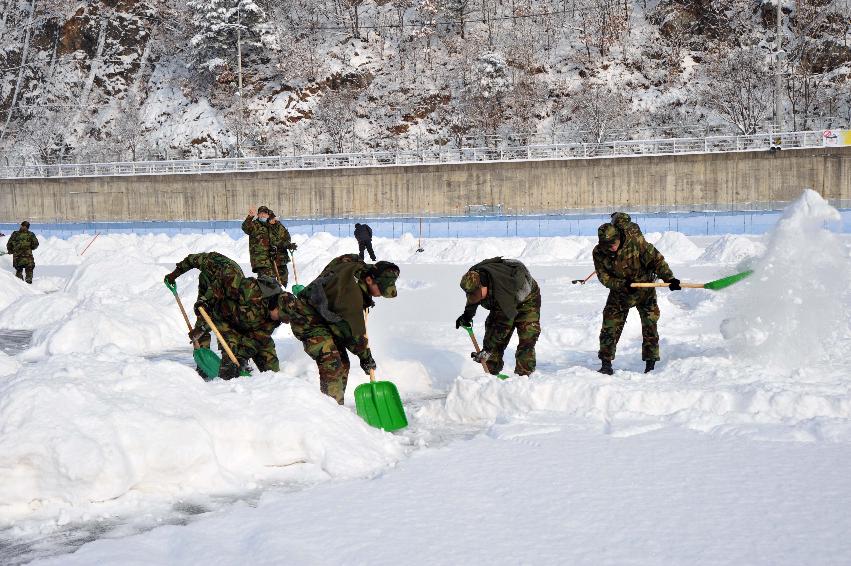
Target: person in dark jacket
x: 507, y: 289
x: 363, y: 234
x: 21, y: 245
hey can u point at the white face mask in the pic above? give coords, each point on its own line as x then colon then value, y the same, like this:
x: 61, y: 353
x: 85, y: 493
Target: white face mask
x: 262, y: 219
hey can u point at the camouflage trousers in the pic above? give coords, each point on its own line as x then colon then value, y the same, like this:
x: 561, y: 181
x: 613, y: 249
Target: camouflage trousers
x: 499, y: 329
x: 270, y: 272
x: 256, y: 346
x: 614, y: 319
x: 321, y: 344
x: 21, y: 263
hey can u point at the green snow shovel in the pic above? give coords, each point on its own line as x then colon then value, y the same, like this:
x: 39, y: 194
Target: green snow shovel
x: 206, y: 359
x: 716, y: 285
x: 296, y: 288
x: 469, y: 330
x: 379, y: 404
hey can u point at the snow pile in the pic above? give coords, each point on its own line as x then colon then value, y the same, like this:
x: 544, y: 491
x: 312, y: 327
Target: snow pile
x: 675, y: 246
x: 792, y: 312
x: 120, y: 301
x: 12, y: 289
x: 8, y: 365
x: 732, y: 248
x: 82, y: 435
x: 709, y: 394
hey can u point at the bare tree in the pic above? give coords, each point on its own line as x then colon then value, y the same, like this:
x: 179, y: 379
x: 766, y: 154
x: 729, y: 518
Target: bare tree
x: 739, y: 88
x: 336, y: 116
x: 599, y: 112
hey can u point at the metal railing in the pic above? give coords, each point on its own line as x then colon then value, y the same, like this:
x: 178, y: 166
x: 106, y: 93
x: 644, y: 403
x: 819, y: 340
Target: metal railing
x: 627, y: 148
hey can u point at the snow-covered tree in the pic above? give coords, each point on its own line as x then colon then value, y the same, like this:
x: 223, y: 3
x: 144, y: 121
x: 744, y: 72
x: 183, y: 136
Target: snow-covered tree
x: 219, y: 23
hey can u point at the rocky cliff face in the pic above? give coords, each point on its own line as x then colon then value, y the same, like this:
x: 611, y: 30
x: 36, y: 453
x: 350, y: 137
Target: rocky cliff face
x: 125, y: 79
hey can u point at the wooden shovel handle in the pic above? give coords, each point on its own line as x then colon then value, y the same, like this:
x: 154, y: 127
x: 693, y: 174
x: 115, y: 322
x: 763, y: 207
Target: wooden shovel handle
x: 295, y: 271
x: 660, y: 284
x: 476, y: 346
x: 366, y: 333
x: 218, y: 334
x: 186, y: 318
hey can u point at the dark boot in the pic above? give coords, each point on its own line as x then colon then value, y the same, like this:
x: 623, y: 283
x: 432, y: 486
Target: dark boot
x: 649, y: 366
x: 19, y: 274
x: 606, y: 368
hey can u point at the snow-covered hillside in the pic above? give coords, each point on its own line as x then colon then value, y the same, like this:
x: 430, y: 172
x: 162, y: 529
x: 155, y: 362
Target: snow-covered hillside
x: 732, y: 451
x: 131, y: 79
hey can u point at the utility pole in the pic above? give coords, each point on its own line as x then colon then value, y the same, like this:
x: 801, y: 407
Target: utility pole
x: 778, y: 85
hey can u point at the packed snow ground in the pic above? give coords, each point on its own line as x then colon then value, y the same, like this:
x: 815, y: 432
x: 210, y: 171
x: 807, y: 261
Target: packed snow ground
x: 733, y: 451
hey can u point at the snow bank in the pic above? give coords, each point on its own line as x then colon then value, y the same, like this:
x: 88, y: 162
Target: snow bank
x: 675, y: 246
x: 12, y: 289
x: 34, y: 311
x: 8, y: 365
x: 113, y: 298
x: 82, y: 434
x: 791, y: 312
x: 732, y: 248
x: 717, y: 395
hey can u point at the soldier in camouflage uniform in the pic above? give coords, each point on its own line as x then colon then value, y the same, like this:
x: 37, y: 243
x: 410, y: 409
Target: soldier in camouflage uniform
x: 505, y: 288
x: 21, y: 245
x: 623, y: 257
x: 268, y: 242
x: 244, y: 310
x: 328, y: 317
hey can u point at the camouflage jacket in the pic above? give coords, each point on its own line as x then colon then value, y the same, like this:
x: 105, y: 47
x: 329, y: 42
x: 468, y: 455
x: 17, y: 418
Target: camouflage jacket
x: 248, y: 312
x: 21, y: 244
x: 635, y: 261
x: 262, y: 237
x: 509, y: 283
x: 340, y: 297
x: 220, y: 277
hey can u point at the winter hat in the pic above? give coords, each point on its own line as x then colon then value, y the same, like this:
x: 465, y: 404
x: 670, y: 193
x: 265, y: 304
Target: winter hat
x: 269, y: 286
x: 25, y: 224
x: 385, y: 275
x: 608, y: 234
x: 471, y: 282
x: 267, y: 210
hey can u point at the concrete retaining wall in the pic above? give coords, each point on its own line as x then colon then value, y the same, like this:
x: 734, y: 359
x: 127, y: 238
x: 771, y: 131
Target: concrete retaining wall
x: 721, y: 179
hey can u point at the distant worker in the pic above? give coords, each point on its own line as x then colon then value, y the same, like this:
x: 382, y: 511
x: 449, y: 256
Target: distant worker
x: 21, y: 245
x: 623, y: 257
x: 507, y: 289
x: 268, y: 244
x: 328, y: 317
x: 363, y: 234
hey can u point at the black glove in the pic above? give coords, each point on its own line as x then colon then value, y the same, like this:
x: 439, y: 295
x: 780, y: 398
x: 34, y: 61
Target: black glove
x: 170, y: 279
x: 630, y: 288
x: 292, y: 246
x: 463, y: 321
x: 674, y: 284
x: 366, y: 362
x: 273, y: 250
x: 228, y: 369
x: 201, y: 302
x: 195, y: 334
x: 481, y: 356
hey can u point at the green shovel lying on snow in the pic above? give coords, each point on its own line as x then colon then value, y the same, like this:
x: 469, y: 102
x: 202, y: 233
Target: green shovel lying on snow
x: 716, y: 285
x: 469, y: 330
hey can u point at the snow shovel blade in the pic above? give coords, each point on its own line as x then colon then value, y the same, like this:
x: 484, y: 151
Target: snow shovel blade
x: 727, y: 281
x: 379, y: 404
x: 297, y: 289
x: 208, y: 361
